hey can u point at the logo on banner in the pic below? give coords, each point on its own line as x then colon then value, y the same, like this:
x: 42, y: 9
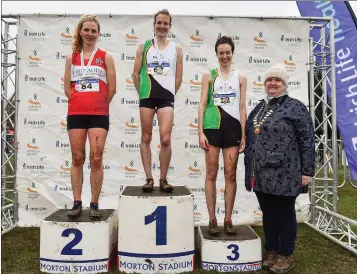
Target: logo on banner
x: 290, y: 65
x: 133, y: 104
x: 34, y: 123
x: 197, y: 215
x: 253, y: 103
x: 131, y: 38
x: 130, y: 170
x: 66, y: 147
x: 33, y: 103
x: 39, y: 210
x: 63, y: 130
x: 60, y: 100
x: 32, y: 148
x: 130, y: 147
x: 60, y: 56
x: 221, y: 211
x: 35, y: 79
x: 194, y: 171
x: 62, y: 83
x: 35, y: 35
x: 128, y: 59
x: 32, y: 193
x: 34, y: 59
x: 129, y: 84
x: 263, y: 63
x: 65, y: 169
x: 196, y: 40
x: 66, y: 37
x: 192, y: 103
x: 131, y: 127
x: 294, y: 84
x: 259, y: 41
x: 105, y: 36
x: 34, y: 168
x: 235, y: 38
x: 193, y: 148
x: 197, y: 61
x: 170, y: 170
x: 258, y: 85
x: 195, y: 83
x: 291, y: 41
x: 59, y: 188
x: 106, y: 169
x: 193, y: 127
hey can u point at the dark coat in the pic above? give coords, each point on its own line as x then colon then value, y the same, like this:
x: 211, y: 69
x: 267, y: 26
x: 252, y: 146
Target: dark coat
x: 283, y: 151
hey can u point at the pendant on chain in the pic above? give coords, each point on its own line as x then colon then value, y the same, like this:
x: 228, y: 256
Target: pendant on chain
x: 257, y: 130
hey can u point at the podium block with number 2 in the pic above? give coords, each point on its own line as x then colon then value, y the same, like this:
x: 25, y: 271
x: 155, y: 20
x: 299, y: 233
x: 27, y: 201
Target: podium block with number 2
x: 156, y: 231
x: 80, y: 245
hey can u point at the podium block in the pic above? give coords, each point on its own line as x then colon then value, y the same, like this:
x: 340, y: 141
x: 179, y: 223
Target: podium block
x: 80, y: 245
x: 224, y: 253
x: 156, y: 231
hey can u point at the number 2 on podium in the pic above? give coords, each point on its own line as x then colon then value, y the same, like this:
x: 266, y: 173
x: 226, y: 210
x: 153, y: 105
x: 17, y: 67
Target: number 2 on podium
x: 160, y: 216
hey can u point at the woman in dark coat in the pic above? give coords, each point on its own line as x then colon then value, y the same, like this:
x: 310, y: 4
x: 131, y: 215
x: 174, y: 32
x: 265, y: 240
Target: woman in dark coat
x: 279, y: 165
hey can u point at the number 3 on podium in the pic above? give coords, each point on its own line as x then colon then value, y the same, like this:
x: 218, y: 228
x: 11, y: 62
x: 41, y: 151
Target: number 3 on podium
x: 160, y: 216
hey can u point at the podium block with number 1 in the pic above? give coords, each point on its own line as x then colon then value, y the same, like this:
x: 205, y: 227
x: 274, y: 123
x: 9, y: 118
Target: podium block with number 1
x: 156, y: 231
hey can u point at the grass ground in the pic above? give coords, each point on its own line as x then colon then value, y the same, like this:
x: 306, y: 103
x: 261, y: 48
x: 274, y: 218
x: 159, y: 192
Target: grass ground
x: 314, y: 253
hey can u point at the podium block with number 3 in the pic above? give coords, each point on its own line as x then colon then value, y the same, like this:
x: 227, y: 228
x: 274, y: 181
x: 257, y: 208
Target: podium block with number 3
x: 81, y: 245
x: 238, y: 253
x: 156, y: 231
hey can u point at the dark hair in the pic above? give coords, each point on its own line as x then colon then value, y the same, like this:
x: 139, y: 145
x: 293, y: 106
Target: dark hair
x: 164, y: 11
x: 224, y: 40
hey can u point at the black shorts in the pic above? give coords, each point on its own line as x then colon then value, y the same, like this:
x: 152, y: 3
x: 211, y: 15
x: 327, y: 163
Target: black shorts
x: 87, y: 121
x: 156, y: 103
x: 229, y: 133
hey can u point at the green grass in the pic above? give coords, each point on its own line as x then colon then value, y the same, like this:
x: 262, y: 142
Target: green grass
x: 314, y: 253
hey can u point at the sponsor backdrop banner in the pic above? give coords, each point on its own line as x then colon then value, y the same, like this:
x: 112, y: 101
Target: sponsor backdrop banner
x: 44, y: 157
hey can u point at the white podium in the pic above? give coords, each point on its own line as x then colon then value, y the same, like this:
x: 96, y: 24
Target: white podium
x: 156, y: 231
x: 80, y: 245
x: 239, y: 253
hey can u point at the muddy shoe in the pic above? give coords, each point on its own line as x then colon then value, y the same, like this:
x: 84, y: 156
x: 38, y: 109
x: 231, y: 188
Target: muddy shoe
x: 149, y: 185
x: 283, y: 264
x: 165, y: 186
x: 229, y: 228
x: 76, y: 210
x: 94, y: 211
x: 269, y: 259
x: 213, y: 228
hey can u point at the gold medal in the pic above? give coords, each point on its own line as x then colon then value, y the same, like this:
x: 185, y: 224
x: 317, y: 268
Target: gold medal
x: 256, y: 130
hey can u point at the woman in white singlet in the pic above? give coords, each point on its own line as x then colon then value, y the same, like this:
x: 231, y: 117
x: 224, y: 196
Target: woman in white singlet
x: 221, y: 125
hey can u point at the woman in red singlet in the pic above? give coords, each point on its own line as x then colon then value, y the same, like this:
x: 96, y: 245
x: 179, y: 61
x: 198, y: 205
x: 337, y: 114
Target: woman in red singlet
x: 90, y: 84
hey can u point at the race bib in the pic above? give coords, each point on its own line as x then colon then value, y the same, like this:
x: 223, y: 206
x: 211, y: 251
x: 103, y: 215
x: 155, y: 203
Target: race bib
x: 228, y: 99
x: 155, y: 68
x: 87, y: 85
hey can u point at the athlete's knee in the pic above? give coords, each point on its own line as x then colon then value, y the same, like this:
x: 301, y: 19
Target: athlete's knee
x: 212, y: 174
x: 165, y: 140
x: 78, y: 159
x: 96, y: 159
x: 230, y: 176
x: 146, y: 137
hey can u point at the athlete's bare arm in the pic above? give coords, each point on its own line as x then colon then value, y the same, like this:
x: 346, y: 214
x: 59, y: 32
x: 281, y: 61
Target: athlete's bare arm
x: 179, y: 68
x: 111, y: 76
x: 243, y: 109
x: 138, y: 65
x: 67, y: 77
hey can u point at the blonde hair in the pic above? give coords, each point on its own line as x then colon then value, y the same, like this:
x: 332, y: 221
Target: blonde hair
x: 77, y: 44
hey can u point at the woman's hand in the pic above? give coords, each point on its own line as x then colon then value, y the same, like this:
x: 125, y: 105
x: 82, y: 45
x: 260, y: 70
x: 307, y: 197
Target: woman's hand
x: 203, y: 141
